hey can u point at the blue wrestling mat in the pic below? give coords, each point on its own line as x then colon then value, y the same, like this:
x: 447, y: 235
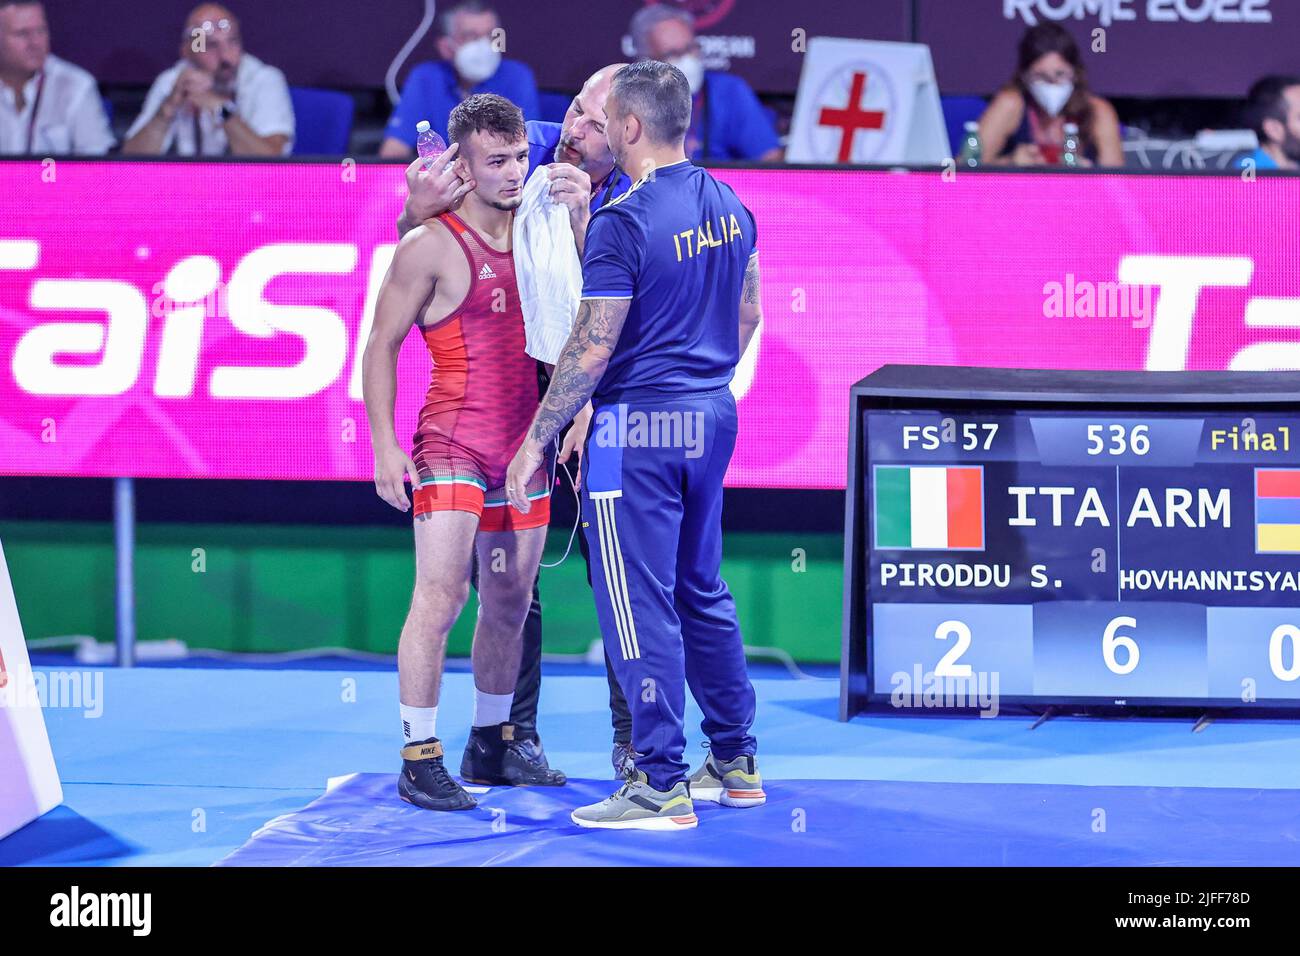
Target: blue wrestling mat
x: 259, y: 745
x: 361, y: 822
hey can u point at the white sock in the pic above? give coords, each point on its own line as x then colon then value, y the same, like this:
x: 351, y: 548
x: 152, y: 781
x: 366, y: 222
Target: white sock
x: 491, y: 709
x: 418, y: 723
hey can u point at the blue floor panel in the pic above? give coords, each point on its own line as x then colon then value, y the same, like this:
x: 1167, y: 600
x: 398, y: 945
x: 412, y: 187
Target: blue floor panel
x: 180, y: 766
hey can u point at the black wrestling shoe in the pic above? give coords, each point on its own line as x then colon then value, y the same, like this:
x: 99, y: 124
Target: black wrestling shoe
x: 530, y: 748
x: 424, y: 781
x: 493, y: 758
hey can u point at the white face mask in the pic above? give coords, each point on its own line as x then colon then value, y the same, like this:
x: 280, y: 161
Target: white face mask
x: 476, y: 61
x: 1052, y: 97
x: 693, y: 67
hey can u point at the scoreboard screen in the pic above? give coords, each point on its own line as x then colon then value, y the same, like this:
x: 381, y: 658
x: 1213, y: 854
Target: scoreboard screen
x: 1090, y: 552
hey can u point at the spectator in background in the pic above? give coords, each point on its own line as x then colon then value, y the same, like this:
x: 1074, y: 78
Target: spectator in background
x: 727, y: 120
x: 471, y: 63
x: 47, y: 105
x: 1273, y: 111
x: 1025, y: 123
x: 217, y: 101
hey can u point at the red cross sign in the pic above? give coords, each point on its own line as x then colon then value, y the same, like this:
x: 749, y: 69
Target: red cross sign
x: 852, y: 118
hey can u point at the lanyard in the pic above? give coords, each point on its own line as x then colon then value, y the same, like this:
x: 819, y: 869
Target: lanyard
x: 36, y: 106
x: 608, y: 187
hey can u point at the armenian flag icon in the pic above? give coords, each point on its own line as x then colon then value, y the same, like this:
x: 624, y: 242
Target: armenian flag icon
x: 1277, y: 510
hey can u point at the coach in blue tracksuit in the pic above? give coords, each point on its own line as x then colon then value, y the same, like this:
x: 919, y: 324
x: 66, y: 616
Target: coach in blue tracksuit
x: 670, y: 301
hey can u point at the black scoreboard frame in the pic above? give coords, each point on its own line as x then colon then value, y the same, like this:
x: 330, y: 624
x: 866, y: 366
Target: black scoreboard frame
x: 932, y: 387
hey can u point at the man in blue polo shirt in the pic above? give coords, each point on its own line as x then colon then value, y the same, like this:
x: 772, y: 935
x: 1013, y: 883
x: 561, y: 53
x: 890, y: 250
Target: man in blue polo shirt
x: 471, y: 63
x: 670, y: 303
x: 584, y: 177
x: 727, y: 120
x: 1273, y: 110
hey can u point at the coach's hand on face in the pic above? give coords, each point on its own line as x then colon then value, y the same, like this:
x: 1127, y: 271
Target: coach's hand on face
x: 392, y: 465
x: 571, y: 187
x: 440, y: 188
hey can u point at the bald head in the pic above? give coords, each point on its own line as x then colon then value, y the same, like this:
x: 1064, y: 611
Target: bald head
x: 582, y: 136
x: 212, y: 42
x: 597, y: 85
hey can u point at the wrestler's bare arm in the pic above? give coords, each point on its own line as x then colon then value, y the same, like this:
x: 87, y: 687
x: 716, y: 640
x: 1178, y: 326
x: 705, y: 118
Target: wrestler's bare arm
x: 407, y: 289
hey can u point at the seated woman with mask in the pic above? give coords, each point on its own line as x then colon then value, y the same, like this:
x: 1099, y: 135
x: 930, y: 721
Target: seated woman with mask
x: 1025, y: 123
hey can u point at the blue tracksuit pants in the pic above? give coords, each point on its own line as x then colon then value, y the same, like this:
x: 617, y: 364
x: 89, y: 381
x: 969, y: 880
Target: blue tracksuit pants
x: 652, y: 515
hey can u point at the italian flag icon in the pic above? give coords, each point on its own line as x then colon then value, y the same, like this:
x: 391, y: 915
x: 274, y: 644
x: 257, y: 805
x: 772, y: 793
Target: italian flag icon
x: 938, y: 508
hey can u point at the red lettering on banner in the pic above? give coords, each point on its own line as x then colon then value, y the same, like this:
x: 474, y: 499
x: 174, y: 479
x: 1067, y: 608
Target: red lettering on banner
x: 852, y: 118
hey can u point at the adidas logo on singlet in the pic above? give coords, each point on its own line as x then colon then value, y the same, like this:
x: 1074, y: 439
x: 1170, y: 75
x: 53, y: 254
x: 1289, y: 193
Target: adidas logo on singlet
x: 486, y: 272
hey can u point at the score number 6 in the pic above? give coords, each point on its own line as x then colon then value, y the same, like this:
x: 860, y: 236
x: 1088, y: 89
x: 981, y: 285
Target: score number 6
x: 1111, y: 640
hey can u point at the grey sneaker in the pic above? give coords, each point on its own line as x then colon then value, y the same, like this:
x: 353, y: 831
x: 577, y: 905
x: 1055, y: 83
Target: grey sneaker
x: 638, y: 806
x: 736, y: 783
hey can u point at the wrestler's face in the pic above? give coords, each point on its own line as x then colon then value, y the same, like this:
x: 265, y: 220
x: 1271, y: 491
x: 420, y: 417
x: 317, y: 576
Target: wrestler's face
x: 497, y: 165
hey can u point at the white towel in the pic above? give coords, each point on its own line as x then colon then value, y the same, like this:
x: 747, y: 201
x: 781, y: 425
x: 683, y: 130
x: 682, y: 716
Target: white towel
x: 547, y: 269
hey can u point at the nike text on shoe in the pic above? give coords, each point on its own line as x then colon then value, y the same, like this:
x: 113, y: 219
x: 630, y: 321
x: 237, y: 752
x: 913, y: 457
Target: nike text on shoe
x: 494, y: 758
x: 638, y: 806
x: 424, y: 781
x: 736, y: 783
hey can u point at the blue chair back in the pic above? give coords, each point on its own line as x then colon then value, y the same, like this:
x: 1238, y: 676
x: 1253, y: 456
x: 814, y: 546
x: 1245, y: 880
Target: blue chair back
x: 322, y: 121
x: 957, y: 112
x: 553, y: 106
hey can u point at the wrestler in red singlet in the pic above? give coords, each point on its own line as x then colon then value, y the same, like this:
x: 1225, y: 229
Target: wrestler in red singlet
x: 481, y: 398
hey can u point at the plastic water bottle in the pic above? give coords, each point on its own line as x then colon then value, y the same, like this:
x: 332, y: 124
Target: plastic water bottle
x: 1070, y: 151
x: 972, y: 153
x: 428, y: 144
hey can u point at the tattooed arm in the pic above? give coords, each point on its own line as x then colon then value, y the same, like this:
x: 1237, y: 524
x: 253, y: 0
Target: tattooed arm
x: 751, y: 305
x: 582, y: 364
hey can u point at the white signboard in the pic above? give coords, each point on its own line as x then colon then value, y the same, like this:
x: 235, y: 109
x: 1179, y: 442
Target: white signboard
x: 29, y: 781
x: 863, y: 101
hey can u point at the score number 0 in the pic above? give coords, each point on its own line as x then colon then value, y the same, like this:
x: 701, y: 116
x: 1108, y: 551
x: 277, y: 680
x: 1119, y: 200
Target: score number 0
x: 1111, y: 641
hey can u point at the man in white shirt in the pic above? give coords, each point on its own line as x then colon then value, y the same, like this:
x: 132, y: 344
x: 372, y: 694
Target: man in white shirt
x: 217, y: 101
x: 48, y: 107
